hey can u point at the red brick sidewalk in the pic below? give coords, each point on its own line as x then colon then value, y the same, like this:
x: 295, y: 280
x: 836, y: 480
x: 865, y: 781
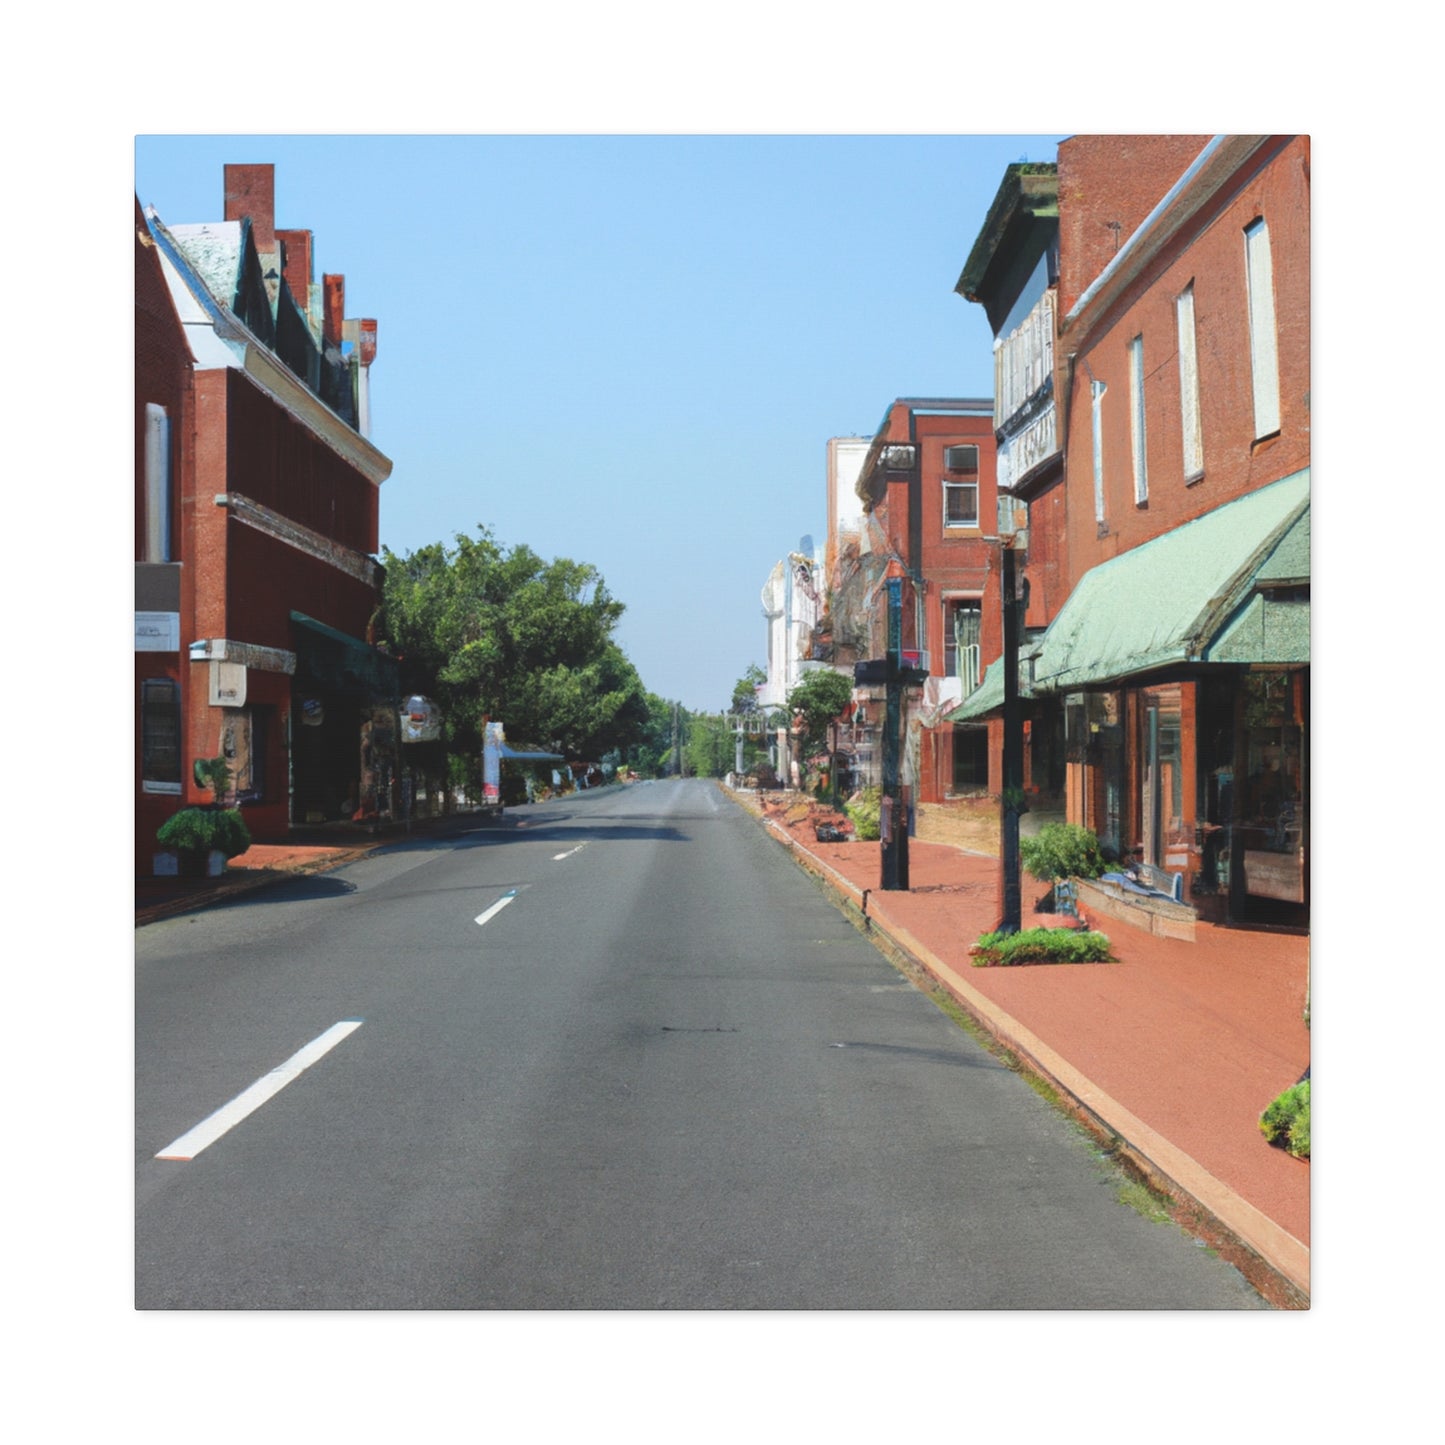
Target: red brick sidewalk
x: 1178, y: 1047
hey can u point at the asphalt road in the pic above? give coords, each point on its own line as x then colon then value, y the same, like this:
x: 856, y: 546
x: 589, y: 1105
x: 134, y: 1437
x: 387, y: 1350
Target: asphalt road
x: 615, y: 1053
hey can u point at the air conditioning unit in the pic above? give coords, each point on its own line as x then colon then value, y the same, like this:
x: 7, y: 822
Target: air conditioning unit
x: 960, y: 458
x: 898, y: 458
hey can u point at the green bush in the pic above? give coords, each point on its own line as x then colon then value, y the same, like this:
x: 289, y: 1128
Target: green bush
x: 1287, y: 1120
x: 1041, y: 945
x: 862, y: 810
x: 1062, y: 850
x: 199, y: 830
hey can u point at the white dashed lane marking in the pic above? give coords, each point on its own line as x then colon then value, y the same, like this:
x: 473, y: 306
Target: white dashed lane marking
x: 229, y: 1115
x: 488, y: 914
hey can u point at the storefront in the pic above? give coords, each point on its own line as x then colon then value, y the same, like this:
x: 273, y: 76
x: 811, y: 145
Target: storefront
x: 343, y: 752
x: 1183, y: 671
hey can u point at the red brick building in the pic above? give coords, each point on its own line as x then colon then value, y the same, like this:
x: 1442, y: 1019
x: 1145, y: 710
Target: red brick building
x: 1168, y: 528
x: 929, y: 511
x: 256, y: 527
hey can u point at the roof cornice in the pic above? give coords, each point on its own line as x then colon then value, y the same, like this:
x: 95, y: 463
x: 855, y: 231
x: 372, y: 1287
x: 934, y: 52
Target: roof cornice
x: 263, y: 367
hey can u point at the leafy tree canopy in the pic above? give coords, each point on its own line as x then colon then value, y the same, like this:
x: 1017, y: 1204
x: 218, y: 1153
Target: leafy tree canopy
x: 503, y: 634
x: 745, y: 693
x: 820, y: 697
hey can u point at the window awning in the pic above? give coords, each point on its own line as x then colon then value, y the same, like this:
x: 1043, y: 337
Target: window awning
x: 987, y: 698
x: 334, y: 660
x: 1231, y: 586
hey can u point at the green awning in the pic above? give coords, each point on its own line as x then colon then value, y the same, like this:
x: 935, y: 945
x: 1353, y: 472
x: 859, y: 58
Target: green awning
x: 987, y: 698
x: 334, y: 660
x: 1231, y: 586
x: 1204, y: 592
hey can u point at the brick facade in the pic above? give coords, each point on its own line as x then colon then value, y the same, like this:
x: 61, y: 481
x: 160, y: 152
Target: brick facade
x: 276, y: 518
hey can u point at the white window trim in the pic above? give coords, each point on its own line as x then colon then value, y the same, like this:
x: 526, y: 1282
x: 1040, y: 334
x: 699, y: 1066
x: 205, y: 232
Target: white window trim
x: 1191, y: 428
x: 1138, y: 435
x: 946, y: 601
x: 1263, y: 336
x: 158, y: 484
x: 1096, y: 399
x: 972, y: 526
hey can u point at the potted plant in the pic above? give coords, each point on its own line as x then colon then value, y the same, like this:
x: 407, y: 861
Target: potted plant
x: 1059, y: 853
x: 200, y: 840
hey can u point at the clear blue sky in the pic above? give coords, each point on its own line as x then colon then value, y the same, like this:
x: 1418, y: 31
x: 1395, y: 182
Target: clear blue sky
x: 632, y: 350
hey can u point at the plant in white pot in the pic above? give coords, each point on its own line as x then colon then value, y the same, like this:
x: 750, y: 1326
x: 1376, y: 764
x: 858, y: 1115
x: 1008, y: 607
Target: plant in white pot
x: 203, y: 839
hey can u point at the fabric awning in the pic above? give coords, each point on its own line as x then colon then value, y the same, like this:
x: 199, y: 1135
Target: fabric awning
x: 331, y: 659
x: 1185, y: 597
x: 1231, y: 586
x: 987, y: 698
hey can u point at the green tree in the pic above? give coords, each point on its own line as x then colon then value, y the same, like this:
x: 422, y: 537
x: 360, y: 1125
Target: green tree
x: 711, y: 747
x: 745, y: 692
x: 819, y: 699
x: 501, y: 634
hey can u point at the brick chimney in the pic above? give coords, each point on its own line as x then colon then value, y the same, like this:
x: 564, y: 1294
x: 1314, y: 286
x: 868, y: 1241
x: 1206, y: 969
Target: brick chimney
x: 296, y: 247
x: 334, y: 302
x: 251, y: 191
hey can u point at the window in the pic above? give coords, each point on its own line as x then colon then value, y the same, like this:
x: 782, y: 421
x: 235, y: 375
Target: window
x: 160, y: 734
x: 1136, y: 420
x: 1189, y: 386
x: 962, y: 627
x: 1097, y: 390
x: 158, y: 484
x: 1263, y: 339
x: 960, y: 504
x: 960, y: 493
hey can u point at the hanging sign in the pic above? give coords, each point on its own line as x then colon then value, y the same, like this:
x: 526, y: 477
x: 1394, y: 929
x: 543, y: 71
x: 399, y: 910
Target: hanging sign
x: 421, y: 720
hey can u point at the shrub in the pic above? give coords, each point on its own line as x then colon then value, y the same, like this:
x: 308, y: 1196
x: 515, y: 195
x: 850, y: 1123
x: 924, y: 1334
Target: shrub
x: 1062, y: 850
x: 199, y: 830
x: 1287, y: 1120
x: 1041, y: 945
x: 862, y: 810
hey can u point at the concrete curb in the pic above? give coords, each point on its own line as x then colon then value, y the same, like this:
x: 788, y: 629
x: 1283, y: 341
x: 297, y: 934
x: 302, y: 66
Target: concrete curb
x: 1273, y: 1260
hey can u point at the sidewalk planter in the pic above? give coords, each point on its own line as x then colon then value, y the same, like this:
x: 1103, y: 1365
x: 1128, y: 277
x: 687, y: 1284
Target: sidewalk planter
x: 192, y: 863
x: 202, y: 839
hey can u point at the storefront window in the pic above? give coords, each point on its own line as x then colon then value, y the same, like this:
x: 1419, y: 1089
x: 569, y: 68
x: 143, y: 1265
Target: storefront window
x: 160, y: 727
x: 1271, y: 827
x: 1162, y: 801
x: 1094, y: 736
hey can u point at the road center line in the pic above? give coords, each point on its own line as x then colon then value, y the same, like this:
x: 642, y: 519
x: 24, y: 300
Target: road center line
x: 229, y: 1115
x: 558, y: 857
x: 490, y: 913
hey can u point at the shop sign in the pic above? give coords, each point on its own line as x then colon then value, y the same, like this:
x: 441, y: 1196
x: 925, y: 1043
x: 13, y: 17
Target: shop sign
x: 228, y: 684
x: 158, y: 632
x: 421, y: 720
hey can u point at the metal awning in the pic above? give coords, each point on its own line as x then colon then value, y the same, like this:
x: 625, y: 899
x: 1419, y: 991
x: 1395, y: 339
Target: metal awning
x: 527, y: 755
x: 329, y: 658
